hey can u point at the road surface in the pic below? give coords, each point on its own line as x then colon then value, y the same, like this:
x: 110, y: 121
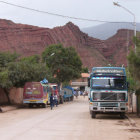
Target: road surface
x: 70, y: 121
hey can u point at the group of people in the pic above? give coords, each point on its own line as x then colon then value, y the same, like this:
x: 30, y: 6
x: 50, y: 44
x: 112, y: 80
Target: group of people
x: 79, y: 93
x: 53, y: 100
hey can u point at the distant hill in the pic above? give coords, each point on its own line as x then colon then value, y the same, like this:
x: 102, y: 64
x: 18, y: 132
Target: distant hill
x: 28, y: 40
x: 107, y: 30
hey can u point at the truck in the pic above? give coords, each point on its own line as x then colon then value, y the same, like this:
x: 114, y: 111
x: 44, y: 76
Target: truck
x: 36, y: 93
x: 68, y: 93
x: 108, y: 91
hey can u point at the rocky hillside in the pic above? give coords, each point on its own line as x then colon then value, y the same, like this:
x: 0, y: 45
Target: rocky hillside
x: 28, y: 40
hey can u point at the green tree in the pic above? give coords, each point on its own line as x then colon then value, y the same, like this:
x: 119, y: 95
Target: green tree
x: 85, y: 70
x: 65, y: 64
x: 134, y: 64
x: 5, y: 83
x: 14, y: 73
x: 6, y: 58
x: 131, y: 81
x: 21, y: 72
x: 31, y: 59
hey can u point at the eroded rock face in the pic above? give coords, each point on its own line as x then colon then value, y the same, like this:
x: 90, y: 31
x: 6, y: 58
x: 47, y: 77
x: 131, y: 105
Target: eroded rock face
x: 118, y: 47
x: 28, y: 40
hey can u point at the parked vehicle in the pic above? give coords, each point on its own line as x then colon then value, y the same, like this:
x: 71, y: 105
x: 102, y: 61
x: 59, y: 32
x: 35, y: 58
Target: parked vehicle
x: 36, y: 93
x: 56, y: 90
x: 108, y: 91
x: 68, y: 93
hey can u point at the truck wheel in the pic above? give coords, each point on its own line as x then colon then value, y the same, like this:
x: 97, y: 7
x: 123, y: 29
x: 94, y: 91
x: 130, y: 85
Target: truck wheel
x: 72, y: 98
x: 62, y: 101
x: 30, y: 105
x: 44, y: 105
x: 122, y: 115
x: 38, y: 105
x: 93, y: 114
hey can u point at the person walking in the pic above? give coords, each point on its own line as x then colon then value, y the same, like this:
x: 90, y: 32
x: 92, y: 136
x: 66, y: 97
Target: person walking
x: 79, y: 92
x: 76, y: 94
x: 84, y: 94
x: 56, y: 99
x: 51, y: 101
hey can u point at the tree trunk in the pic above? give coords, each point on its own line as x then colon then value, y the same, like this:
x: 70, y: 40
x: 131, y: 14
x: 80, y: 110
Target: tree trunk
x: 7, y: 95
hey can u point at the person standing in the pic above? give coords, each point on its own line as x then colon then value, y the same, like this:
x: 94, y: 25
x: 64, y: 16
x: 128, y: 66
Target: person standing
x: 76, y: 94
x: 51, y: 101
x: 56, y: 99
x: 79, y: 92
x: 84, y: 94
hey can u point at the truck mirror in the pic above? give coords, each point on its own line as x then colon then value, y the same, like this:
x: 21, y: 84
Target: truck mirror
x: 88, y: 82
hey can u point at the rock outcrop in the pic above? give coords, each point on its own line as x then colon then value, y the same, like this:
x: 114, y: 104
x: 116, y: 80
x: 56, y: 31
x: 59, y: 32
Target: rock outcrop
x: 28, y: 40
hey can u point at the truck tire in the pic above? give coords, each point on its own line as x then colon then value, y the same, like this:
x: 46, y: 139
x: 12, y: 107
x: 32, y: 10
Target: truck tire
x: 30, y: 105
x: 38, y: 105
x: 122, y: 115
x: 62, y: 101
x: 93, y: 114
x: 44, y: 105
x: 72, y: 98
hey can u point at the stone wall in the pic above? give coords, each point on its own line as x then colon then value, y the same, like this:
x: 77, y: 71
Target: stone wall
x: 16, y: 96
x: 3, y: 98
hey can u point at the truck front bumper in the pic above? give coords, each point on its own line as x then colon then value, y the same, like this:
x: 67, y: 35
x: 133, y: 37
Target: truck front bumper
x: 108, y: 109
x: 34, y: 101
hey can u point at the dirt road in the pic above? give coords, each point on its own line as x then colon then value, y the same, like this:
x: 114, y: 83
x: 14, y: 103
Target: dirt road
x: 70, y: 121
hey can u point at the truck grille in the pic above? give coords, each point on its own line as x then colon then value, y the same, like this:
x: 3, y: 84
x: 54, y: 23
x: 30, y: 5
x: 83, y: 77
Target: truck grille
x: 108, y: 104
x: 109, y: 96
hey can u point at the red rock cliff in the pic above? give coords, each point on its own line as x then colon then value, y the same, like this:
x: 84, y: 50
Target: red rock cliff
x: 28, y: 40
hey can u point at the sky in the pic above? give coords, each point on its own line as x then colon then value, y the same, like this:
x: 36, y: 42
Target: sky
x: 87, y: 9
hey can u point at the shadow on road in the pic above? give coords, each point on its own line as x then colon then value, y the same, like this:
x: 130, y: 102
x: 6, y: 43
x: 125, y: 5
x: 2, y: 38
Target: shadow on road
x: 109, y: 117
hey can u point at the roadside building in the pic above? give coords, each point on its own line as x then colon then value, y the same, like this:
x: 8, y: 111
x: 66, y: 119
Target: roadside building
x: 81, y: 83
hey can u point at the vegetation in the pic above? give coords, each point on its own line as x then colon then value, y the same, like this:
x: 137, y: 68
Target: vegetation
x: 85, y: 70
x: 65, y: 64
x: 15, y: 72
x: 131, y: 81
x: 134, y: 66
x: 31, y: 59
x: 58, y: 64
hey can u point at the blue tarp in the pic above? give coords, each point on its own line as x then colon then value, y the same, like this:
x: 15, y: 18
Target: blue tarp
x: 69, y: 87
x: 44, y: 81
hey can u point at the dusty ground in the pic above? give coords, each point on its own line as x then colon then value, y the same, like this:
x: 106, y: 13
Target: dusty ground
x: 70, y: 121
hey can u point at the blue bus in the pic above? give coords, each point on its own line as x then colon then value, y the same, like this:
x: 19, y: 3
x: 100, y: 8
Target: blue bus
x: 108, y: 91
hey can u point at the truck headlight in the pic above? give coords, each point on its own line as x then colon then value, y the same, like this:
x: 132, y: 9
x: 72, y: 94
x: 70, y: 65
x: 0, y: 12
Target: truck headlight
x: 95, y: 104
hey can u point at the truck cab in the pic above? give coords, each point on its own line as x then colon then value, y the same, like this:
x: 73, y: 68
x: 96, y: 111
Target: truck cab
x: 108, y: 91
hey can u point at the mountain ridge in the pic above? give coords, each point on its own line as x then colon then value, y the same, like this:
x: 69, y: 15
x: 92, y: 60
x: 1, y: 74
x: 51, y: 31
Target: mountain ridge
x: 107, y: 30
x: 28, y: 40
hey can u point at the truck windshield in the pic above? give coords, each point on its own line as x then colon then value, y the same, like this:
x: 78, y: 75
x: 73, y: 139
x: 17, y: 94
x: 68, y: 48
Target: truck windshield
x: 109, y: 83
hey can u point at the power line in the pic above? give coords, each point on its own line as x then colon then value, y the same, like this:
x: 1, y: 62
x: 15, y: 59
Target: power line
x: 58, y: 15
